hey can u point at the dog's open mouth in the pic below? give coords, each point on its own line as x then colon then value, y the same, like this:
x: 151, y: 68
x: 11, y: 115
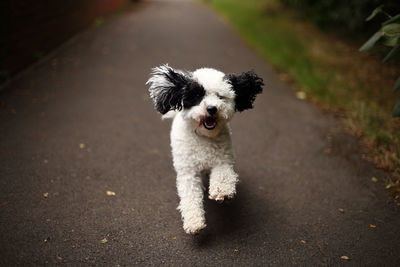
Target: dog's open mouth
x: 209, y: 122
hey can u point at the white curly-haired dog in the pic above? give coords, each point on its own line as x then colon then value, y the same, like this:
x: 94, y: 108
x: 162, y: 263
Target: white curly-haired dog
x: 202, y: 103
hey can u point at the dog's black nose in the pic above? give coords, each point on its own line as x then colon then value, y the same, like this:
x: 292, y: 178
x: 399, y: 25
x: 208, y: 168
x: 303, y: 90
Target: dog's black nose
x: 212, y: 110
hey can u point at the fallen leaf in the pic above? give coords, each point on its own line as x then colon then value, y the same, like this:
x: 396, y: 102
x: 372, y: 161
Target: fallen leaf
x: 374, y: 179
x: 303, y: 241
x: 301, y: 95
x: 235, y: 250
x: 388, y: 186
x: 47, y: 239
x: 104, y: 240
x: 341, y: 210
x: 174, y: 237
x: 81, y: 146
x: 327, y: 150
x: 346, y: 258
x: 59, y: 258
x: 46, y: 195
x: 372, y: 225
x: 110, y: 193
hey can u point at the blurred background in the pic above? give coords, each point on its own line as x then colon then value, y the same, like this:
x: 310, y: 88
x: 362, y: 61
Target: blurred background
x: 31, y: 29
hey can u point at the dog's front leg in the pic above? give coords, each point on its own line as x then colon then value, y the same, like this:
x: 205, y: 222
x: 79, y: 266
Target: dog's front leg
x: 223, y: 181
x: 190, y: 191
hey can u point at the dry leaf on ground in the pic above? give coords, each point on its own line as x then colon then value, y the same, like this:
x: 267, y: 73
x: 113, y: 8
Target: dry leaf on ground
x: 110, y: 193
x: 301, y: 95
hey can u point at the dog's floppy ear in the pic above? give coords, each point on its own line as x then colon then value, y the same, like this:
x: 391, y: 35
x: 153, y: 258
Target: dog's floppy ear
x: 246, y: 86
x: 167, y: 87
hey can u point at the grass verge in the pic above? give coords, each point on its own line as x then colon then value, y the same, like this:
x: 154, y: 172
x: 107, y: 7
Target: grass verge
x: 332, y: 73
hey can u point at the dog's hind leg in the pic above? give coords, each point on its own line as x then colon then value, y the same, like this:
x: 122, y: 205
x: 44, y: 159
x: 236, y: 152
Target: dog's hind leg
x: 223, y: 181
x: 190, y: 191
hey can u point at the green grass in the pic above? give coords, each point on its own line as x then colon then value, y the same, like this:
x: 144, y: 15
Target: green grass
x: 270, y: 36
x: 331, y: 71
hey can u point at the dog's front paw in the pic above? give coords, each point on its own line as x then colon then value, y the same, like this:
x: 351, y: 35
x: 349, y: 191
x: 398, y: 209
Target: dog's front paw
x: 194, y: 226
x: 219, y: 192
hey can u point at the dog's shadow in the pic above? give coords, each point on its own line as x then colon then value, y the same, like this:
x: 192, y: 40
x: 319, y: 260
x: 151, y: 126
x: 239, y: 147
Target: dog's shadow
x: 244, y: 215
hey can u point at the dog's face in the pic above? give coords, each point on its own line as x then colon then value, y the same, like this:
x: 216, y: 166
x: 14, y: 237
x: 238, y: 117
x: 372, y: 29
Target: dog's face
x: 206, y: 97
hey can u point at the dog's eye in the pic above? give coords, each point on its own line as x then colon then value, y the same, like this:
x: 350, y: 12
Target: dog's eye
x: 221, y: 97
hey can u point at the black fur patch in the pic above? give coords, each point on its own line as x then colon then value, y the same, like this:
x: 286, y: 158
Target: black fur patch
x: 193, y: 94
x: 246, y: 86
x: 170, y: 97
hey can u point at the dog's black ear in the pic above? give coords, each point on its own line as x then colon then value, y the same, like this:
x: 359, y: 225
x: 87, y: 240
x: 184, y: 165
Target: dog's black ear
x: 246, y: 86
x: 167, y: 87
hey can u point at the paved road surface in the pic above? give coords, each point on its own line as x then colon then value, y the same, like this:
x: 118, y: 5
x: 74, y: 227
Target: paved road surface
x: 92, y: 92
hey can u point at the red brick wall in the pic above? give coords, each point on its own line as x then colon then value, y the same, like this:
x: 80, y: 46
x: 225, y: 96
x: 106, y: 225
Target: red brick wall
x: 31, y: 28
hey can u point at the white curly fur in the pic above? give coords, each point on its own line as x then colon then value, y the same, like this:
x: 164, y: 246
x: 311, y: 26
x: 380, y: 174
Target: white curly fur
x: 198, y: 151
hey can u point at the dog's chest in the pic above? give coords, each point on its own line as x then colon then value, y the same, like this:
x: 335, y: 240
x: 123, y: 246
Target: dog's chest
x: 191, y: 151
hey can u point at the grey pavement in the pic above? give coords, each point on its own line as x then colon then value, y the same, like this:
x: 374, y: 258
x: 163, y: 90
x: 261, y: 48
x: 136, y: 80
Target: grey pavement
x: 80, y: 123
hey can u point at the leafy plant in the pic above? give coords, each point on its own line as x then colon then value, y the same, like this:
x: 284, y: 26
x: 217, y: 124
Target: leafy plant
x: 389, y: 34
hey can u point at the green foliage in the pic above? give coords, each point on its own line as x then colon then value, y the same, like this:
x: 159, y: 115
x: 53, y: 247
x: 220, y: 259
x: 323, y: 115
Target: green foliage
x: 393, y: 19
x: 395, y: 50
x: 375, y: 12
x: 396, y: 85
x: 396, y: 109
x: 345, y: 16
x: 371, y: 42
x: 390, y: 31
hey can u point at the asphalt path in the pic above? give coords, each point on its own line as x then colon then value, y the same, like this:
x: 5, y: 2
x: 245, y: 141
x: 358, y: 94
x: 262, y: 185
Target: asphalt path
x: 80, y: 122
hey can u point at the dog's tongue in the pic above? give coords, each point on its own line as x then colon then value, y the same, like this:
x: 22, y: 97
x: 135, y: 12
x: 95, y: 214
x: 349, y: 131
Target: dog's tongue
x: 210, y: 121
